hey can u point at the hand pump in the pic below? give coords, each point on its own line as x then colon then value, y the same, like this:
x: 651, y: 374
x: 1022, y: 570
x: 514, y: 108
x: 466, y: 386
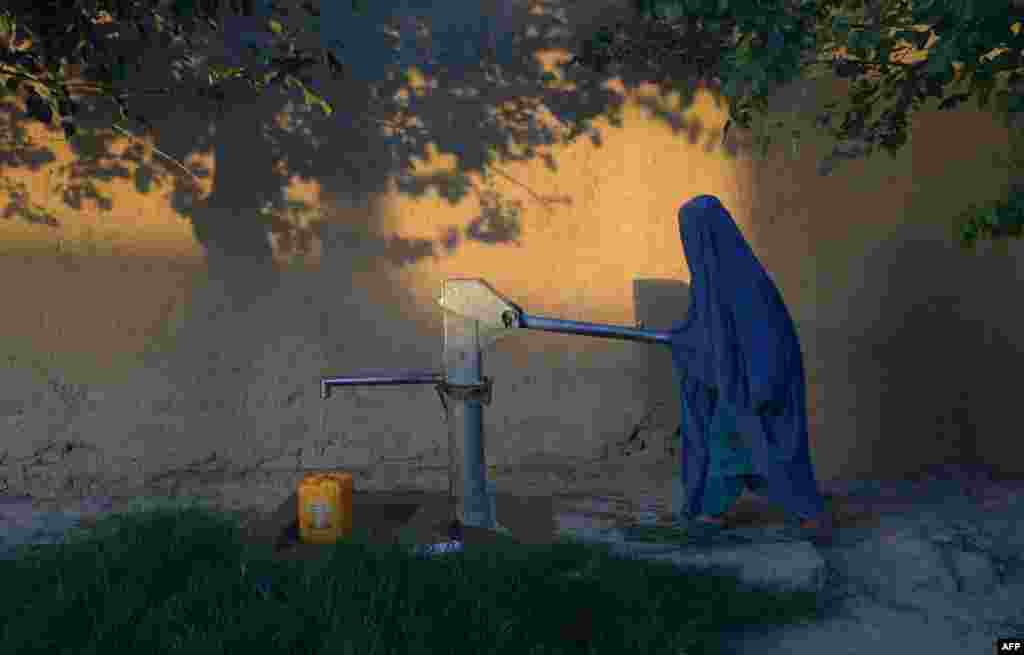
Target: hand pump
x: 475, y: 317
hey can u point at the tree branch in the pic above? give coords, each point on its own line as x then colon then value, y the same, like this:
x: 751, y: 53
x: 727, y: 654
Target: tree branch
x: 161, y: 153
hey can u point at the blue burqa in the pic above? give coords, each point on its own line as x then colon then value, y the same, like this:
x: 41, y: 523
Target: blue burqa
x: 737, y: 351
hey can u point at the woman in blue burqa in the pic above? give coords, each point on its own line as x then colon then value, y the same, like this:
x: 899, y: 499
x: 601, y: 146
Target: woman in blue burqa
x: 741, y: 375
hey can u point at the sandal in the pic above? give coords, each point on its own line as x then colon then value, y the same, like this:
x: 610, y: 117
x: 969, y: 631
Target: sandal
x: 817, y: 531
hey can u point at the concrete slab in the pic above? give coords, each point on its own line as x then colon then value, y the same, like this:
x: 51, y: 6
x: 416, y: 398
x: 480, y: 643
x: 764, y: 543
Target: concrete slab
x: 789, y: 566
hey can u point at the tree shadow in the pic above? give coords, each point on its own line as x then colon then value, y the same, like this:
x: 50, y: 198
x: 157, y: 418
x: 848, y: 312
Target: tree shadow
x: 692, y: 127
x: 19, y: 152
x: 448, y: 79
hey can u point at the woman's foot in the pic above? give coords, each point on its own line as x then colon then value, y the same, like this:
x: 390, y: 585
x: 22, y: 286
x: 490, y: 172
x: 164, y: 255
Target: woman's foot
x: 818, y: 530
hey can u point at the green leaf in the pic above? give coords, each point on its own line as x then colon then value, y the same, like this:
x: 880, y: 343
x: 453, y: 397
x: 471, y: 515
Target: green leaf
x: 8, y: 26
x: 982, y: 88
x: 268, y: 78
x: 940, y: 57
x: 311, y: 99
x: 840, y: 25
x: 870, y: 39
x: 854, y: 40
x: 221, y: 73
x: 275, y: 26
x: 884, y: 50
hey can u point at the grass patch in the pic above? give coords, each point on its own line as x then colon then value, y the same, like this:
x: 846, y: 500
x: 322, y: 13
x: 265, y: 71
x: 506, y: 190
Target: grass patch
x: 181, y: 580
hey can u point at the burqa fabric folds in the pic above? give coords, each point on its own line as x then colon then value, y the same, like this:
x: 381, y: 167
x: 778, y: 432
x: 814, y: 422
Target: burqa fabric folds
x: 738, y: 351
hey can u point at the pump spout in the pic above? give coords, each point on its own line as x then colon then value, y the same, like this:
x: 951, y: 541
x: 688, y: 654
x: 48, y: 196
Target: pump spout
x: 379, y: 379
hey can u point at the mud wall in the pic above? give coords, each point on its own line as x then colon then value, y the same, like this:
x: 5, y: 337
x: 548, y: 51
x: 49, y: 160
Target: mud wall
x: 163, y: 332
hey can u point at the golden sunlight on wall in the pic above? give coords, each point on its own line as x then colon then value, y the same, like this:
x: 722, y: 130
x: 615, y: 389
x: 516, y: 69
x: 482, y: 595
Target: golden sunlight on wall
x: 577, y: 259
x: 611, y: 218
x: 88, y: 288
x: 98, y: 287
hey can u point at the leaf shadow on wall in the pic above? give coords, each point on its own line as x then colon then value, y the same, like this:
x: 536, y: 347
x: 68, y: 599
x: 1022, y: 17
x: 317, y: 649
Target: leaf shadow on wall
x: 477, y: 96
x: 481, y: 90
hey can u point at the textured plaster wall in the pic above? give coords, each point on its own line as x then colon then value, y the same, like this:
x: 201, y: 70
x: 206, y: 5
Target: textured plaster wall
x: 147, y: 344
x: 915, y: 341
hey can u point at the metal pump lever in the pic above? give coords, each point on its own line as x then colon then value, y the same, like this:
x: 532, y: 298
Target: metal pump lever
x: 602, y: 330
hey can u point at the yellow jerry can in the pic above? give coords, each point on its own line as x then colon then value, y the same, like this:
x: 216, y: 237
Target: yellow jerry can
x: 325, y: 508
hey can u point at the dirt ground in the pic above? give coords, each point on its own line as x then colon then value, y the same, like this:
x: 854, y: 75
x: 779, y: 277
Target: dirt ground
x: 423, y: 517
x: 528, y: 502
